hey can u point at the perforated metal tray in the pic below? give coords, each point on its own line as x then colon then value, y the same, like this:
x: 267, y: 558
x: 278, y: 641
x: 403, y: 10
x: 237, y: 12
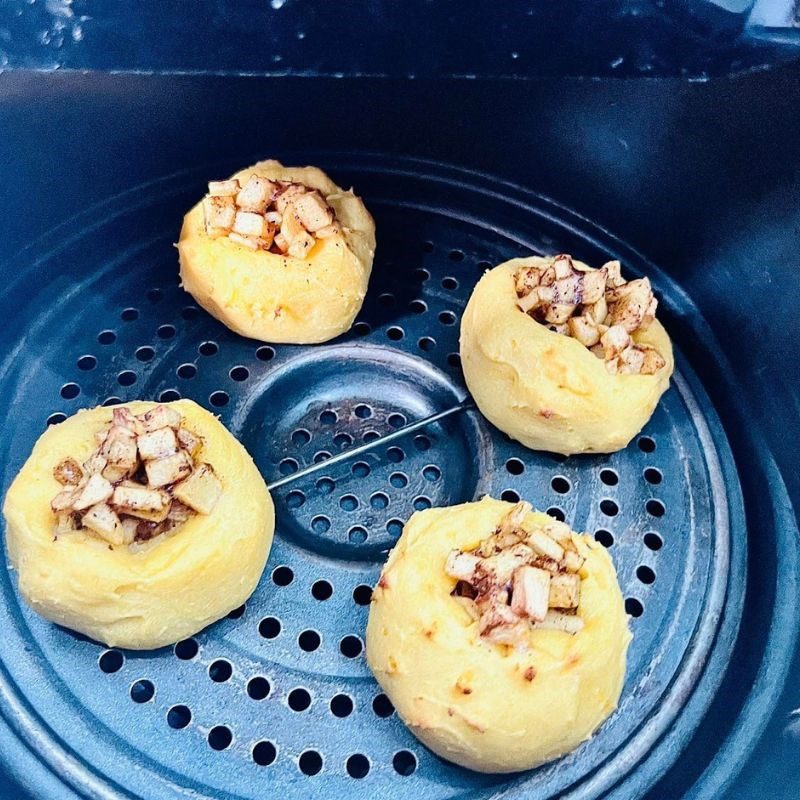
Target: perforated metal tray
x: 278, y: 696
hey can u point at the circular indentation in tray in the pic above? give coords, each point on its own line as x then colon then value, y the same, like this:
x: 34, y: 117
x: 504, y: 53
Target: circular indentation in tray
x: 325, y: 401
x: 220, y: 720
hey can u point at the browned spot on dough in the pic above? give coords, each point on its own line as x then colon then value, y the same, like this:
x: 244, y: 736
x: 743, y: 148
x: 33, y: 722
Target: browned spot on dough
x: 450, y: 712
x: 391, y: 664
x: 383, y: 583
x: 572, y: 661
x: 474, y: 725
x: 530, y: 674
x: 546, y: 413
x: 430, y: 630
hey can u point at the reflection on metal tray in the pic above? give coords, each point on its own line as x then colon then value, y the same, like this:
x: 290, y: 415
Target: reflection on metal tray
x: 279, y: 693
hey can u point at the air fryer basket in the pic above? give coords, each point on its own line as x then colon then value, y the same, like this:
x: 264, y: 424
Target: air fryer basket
x: 283, y: 682
x: 277, y: 699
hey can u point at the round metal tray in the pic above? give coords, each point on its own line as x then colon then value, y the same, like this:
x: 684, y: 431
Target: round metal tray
x: 279, y: 694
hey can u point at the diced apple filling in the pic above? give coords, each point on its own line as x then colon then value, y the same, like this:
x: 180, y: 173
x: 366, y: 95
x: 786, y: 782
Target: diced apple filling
x: 144, y: 479
x: 517, y: 579
x: 282, y: 217
x: 598, y: 308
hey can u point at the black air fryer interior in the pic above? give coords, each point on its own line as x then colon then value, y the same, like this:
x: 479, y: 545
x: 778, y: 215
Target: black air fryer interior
x: 473, y: 138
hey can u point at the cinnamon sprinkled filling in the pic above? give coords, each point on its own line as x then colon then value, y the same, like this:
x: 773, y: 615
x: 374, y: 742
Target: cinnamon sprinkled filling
x: 143, y: 480
x: 517, y: 580
x: 281, y: 217
x: 597, y: 307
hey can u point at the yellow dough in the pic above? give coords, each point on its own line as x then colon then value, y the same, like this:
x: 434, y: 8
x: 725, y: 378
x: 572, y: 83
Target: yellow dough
x: 277, y: 298
x: 467, y: 699
x: 170, y: 589
x: 547, y: 390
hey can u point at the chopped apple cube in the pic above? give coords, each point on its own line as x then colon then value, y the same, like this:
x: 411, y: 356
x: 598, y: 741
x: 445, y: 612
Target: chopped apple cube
x: 312, y: 211
x: 653, y: 360
x: 97, y: 490
x: 281, y: 242
x: 545, y: 546
x: 630, y: 309
x: 219, y: 214
x: 119, y: 448
x: 201, y: 490
x: 502, y: 564
x: 95, y: 463
x: 250, y: 242
x: 227, y: 188
x: 189, y: 441
x: 249, y: 224
x: 594, y: 286
x: 68, y: 472
x: 530, y: 592
x: 268, y: 236
x: 461, y: 566
x: 170, y: 469
x: 131, y: 498
x: 327, y: 231
x: 115, y: 474
x: 157, y: 444
x: 63, y: 501
x: 557, y: 530
x: 288, y: 193
x: 103, y: 520
x: 562, y: 264
x: 179, y: 513
x: 526, y: 279
x: 572, y: 561
x: 650, y: 313
x: 130, y: 527
x: 536, y: 297
x: 558, y: 313
x: 123, y: 418
x: 614, y: 341
x: 584, y: 329
x: 255, y: 195
x: 631, y: 361
x: 291, y: 227
x: 301, y: 245
x: 614, y: 272
x: 565, y: 591
x: 160, y: 417
x: 558, y: 621
x: 597, y: 311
